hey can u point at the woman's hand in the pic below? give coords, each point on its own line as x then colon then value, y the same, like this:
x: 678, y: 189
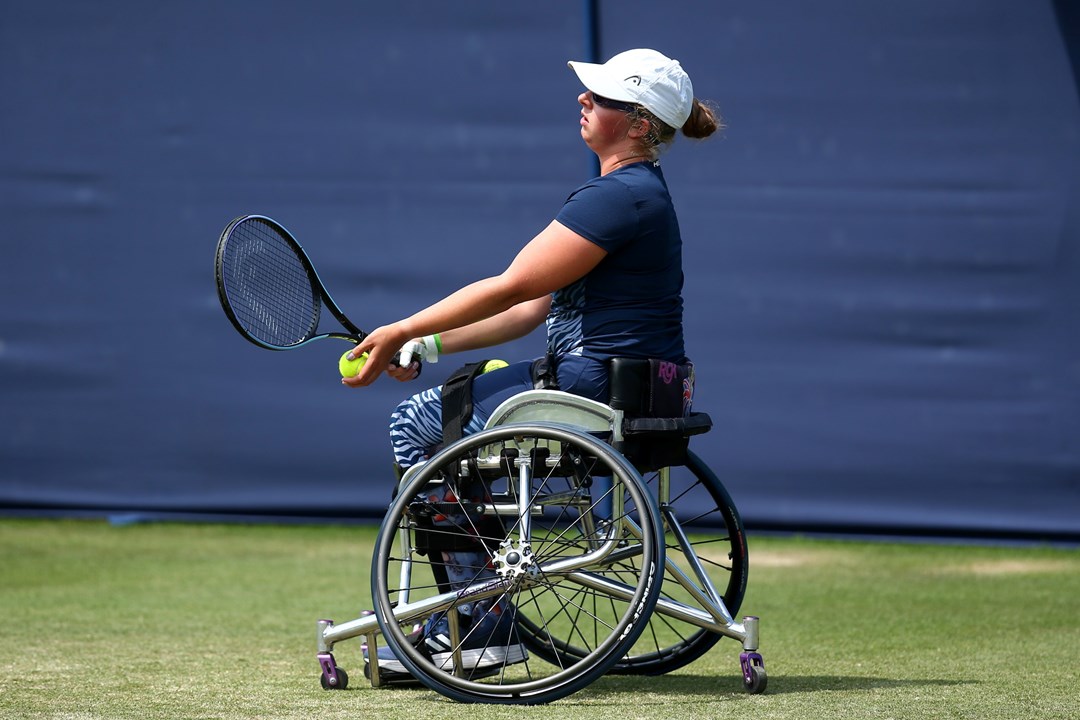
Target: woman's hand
x: 404, y: 374
x: 381, y: 346
x: 412, y: 356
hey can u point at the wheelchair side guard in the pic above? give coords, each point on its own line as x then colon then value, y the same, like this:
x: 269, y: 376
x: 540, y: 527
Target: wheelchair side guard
x: 554, y: 406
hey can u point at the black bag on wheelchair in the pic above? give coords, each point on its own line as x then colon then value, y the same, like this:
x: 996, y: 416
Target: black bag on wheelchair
x: 656, y: 397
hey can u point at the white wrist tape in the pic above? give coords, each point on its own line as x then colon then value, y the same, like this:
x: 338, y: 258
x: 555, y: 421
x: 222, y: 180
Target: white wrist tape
x: 432, y: 347
x: 426, y: 349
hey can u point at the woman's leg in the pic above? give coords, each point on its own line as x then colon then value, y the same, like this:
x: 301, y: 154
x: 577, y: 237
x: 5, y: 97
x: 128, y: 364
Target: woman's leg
x: 416, y: 424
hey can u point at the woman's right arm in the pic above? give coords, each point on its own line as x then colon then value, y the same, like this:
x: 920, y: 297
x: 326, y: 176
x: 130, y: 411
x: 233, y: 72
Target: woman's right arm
x: 511, y: 324
x: 518, y: 321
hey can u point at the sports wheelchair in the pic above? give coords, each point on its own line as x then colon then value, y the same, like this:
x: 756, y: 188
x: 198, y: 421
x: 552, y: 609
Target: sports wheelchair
x: 615, y: 547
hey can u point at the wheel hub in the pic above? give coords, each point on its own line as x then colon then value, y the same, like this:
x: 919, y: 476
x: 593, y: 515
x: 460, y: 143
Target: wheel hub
x: 514, y: 559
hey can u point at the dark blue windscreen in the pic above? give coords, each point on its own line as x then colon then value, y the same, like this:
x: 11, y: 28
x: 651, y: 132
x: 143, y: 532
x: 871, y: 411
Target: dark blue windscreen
x: 882, y: 286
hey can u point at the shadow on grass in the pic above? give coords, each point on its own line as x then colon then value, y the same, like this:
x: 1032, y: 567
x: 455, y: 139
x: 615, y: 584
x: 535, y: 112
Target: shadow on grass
x: 714, y: 685
x: 651, y: 691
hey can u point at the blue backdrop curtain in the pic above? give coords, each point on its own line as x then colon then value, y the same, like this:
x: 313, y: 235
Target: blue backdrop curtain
x: 882, y: 283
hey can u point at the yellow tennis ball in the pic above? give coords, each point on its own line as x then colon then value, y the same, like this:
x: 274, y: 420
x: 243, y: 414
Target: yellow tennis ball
x: 351, y: 368
x: 495, y: 365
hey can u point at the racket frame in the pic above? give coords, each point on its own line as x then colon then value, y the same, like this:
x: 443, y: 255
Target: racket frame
x: 320, y: 295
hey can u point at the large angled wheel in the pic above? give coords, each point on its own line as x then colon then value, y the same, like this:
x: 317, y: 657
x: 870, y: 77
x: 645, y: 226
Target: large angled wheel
x: 562, y: 519
x: 695, y: 502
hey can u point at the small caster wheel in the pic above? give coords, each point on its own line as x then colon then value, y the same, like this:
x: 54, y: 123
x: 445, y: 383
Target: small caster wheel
x: 758, y: 680
x: 753, y: 672
x: 342, y: 680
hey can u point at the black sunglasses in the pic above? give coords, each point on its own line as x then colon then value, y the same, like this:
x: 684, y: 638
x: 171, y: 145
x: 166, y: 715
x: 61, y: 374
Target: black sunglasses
x: 612, y: 104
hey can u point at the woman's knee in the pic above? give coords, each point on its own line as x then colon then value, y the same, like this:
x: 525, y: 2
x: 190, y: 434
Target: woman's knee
x: 415, y: 426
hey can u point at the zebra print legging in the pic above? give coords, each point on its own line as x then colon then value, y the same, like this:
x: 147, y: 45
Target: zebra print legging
x: 416, y: 424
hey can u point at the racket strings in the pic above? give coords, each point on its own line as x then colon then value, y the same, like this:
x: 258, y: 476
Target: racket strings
x: 268, y: 286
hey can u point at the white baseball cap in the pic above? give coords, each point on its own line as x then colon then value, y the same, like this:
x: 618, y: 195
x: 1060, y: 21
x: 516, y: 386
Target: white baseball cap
x: 644, y: 77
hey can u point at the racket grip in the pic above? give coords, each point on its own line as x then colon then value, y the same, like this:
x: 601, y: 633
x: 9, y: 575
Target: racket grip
x: 404, y: 357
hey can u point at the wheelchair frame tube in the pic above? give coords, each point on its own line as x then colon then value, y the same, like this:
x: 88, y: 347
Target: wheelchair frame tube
x: 524, y: 491
x: 695, y: 564
x: 710, y: 600
x: 664, y: 606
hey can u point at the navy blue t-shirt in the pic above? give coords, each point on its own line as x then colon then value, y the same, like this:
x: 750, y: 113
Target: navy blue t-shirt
x: 630, y: 305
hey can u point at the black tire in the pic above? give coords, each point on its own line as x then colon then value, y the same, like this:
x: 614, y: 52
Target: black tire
x: 343, y: 680
x: 569, y: 582
x: 759, y: 680
x: 703, y: 507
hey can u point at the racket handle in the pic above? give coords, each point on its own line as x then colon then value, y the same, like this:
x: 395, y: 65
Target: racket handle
x: 406, y: 356
x: 410, y: 351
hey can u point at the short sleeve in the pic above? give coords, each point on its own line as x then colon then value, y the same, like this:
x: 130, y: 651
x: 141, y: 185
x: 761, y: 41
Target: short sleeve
x: 602, y: 211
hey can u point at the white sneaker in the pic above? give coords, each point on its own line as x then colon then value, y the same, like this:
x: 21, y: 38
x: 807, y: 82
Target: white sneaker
x: 486, y: 648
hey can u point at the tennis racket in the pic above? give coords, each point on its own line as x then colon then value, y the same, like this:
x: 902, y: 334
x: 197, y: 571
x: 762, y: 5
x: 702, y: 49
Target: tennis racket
x: 269, y: 289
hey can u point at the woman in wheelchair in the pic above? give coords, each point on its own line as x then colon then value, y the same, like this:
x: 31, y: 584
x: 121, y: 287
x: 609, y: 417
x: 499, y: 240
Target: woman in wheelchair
x: 605, y: 276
